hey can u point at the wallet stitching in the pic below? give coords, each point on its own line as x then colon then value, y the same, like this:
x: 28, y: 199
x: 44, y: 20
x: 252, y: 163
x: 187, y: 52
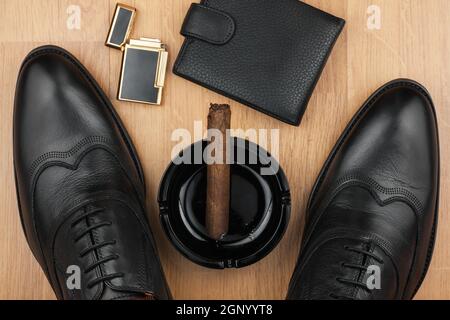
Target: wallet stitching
x: 230, y: 31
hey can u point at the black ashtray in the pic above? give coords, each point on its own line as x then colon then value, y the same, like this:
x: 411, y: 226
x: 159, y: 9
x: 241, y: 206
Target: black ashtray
x: 259, y: 210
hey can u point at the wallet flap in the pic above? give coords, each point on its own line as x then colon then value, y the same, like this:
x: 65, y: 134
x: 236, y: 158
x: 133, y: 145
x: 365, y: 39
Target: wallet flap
x: 208, y: 24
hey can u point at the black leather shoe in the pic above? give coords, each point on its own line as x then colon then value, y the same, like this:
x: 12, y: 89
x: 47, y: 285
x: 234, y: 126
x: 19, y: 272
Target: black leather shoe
x: 372, y: 215
x: 80, y: 185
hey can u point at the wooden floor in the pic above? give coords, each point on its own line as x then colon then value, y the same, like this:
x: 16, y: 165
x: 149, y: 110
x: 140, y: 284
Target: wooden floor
x: 413, y: 42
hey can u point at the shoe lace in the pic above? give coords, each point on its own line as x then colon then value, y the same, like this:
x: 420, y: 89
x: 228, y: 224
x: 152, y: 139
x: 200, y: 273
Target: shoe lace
x: 359, y: 267
x: 95, y: 246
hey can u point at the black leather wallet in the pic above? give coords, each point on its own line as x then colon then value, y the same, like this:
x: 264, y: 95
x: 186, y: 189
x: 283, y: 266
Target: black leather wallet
x: 267, y: 54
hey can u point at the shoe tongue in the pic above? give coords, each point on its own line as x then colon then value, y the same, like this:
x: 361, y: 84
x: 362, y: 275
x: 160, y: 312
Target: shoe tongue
x: 325, y: 273
x: 127, y: 233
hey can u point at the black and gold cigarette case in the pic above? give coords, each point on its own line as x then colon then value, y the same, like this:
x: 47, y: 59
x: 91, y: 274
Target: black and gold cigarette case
x: 144, y: 61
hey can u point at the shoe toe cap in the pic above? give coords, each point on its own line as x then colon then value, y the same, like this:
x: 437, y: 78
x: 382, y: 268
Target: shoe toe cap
x: 56, y: 106
x: 404, y: 129
x: 394, y: 141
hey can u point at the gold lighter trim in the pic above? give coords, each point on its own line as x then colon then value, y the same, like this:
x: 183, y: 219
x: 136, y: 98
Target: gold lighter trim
x: 159, y: 73
x: 146, y: 43
x: 113, y: 24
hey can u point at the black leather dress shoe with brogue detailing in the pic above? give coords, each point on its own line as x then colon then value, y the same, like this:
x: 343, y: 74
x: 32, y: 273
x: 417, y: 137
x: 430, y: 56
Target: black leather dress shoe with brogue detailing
x: 80, y: 185
x: 373, y: 211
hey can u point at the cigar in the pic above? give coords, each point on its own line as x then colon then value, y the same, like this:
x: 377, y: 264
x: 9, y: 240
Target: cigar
x: 218, y: 176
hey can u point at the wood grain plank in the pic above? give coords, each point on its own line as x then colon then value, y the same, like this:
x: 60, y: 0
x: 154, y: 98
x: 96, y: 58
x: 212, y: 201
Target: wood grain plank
x: 412, y: 42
